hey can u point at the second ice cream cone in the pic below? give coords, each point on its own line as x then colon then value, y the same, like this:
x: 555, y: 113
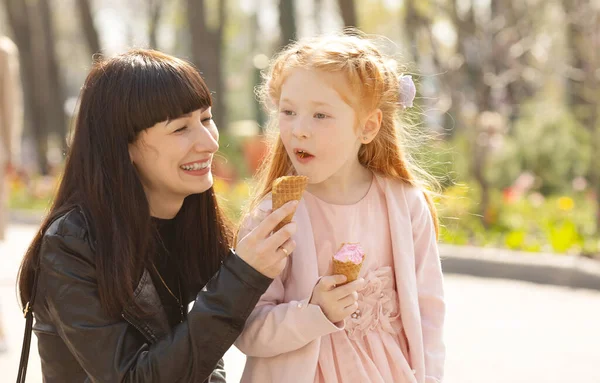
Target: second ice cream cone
x: 349, y: 269
x: 348, y: 261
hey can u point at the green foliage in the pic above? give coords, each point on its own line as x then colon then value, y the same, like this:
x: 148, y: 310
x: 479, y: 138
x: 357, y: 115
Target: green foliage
x: 546, y: 141
x: 527, y: 222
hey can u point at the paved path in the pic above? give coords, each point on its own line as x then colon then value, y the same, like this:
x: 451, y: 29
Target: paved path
x: 498, y: 331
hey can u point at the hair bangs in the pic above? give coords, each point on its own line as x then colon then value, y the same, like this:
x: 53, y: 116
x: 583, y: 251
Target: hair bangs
x: 169, y: 88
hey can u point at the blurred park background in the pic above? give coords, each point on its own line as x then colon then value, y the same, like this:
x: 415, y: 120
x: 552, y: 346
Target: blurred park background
x: 509, y: 92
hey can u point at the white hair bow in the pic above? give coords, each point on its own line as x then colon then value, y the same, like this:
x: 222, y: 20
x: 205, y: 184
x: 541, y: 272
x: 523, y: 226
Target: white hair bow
x: 406, y: 91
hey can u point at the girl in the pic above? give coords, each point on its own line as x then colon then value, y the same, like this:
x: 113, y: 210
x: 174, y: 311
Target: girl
x: 135, y: 234
x: 338, y: 101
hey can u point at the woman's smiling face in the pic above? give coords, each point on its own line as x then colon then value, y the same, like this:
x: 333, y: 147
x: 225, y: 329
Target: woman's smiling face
x: 173, y: 158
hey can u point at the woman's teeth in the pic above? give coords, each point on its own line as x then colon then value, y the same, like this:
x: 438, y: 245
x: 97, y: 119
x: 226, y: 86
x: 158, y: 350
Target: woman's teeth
x: 196, y: 166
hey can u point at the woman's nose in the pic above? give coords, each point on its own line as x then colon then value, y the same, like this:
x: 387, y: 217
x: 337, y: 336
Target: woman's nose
x: 206, y: 141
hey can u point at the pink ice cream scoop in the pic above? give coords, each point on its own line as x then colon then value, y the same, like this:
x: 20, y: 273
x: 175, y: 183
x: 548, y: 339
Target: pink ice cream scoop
x: 350, y: 252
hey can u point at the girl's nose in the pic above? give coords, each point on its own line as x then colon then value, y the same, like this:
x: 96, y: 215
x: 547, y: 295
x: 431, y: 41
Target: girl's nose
x: 301, y: 128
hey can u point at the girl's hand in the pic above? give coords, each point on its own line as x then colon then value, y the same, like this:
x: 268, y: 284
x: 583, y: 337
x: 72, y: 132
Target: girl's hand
x: 265, y: 252
x: 337, y: 303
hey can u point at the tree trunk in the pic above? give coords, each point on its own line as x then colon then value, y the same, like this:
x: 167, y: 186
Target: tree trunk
x: 154, y: 12
x: 412, y: 23
x: 317, y: 12
x: 472, y: 72
x: 55, y: 95
x: 287, y: 21
x: 581, y: 42
x: 207, y: 53
x: 348, y: 11
x: 256, y: 38
x: 22, y: 17
x: 89, y: 30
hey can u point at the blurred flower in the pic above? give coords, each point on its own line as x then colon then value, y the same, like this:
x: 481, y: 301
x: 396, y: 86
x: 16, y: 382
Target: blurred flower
x: 220, y: 185
x: 496, y: 141
x: 509, y: 195
x: 491, y: 215
x: 579, y: 184
x: 566, y: 203
x: 591, y: 195
x: 524, y: 182
x: 16, y: 185
x: 536, y: 199
x: 43, y: 187
x: 242, y: 190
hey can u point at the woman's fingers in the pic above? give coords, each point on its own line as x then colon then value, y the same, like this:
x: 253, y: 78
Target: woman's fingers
x: 281, y: 236
x: 268, y: 225
x: 286, y: 249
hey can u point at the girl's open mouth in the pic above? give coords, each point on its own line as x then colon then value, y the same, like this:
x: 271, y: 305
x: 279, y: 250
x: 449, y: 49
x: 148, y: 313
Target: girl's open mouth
x: 303, y: 156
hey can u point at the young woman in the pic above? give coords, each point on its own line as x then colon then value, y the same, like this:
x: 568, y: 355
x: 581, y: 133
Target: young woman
x: 135, y: 234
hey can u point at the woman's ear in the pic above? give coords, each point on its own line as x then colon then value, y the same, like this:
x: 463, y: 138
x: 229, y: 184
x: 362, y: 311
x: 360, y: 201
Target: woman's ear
x: 371, y: 126
x: 132, y: 150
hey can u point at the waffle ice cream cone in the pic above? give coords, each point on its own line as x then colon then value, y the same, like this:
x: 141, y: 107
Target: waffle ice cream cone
x: 348, y: 260
x: 286, y: 189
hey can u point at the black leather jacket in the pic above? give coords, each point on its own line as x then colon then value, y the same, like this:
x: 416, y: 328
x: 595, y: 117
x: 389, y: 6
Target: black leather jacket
x: 79, y: 342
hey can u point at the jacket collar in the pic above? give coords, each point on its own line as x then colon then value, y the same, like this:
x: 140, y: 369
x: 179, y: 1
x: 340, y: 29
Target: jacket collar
x: 145, y: 311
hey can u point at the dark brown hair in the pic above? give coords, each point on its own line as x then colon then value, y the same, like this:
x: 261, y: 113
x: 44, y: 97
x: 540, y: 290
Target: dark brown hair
x: 121, y: 97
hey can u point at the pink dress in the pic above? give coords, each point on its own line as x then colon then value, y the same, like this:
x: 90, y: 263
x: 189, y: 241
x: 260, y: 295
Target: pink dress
x: 373, y: 340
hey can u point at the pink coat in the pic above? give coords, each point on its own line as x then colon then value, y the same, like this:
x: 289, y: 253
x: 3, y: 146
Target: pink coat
x: 282, y: 335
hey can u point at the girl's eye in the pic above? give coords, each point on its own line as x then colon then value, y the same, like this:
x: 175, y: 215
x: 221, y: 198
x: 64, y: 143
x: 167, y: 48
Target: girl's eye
x: 207, y: 119
x: 320, y: 116
x: 181, y: 129
x: 287, y: 112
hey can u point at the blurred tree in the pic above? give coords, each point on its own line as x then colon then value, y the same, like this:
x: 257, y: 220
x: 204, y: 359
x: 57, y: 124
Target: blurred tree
x: 583, y: 40
x: 30, y: 21
x: 348, y: 11
x: 154, y: 10
x: 318, y: 15
x: 258, y: 64
x: 416, y: 22
x: 485, y: 74
x: 55, y: 97
x: 89, y: 29
x: 207, y: 51
x: 287, y: 21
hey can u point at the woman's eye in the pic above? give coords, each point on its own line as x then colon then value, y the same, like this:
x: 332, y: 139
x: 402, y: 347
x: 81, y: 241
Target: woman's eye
x: 320, y: 116
x: 181, y: 129
x: 287, y: 112
x: 207, y: 119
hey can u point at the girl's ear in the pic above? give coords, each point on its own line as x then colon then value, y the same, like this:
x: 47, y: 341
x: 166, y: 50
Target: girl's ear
x: 371, y: 126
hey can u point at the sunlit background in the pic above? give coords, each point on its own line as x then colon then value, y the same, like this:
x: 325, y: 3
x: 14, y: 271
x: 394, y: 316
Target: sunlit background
x: 508, y: 89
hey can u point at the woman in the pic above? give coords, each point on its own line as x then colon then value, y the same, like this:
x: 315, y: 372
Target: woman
x: 135, y: 234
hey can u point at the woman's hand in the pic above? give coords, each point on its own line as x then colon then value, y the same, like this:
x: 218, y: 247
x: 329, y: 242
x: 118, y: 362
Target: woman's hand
x: 265, y: 252
x: 337, y: 302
